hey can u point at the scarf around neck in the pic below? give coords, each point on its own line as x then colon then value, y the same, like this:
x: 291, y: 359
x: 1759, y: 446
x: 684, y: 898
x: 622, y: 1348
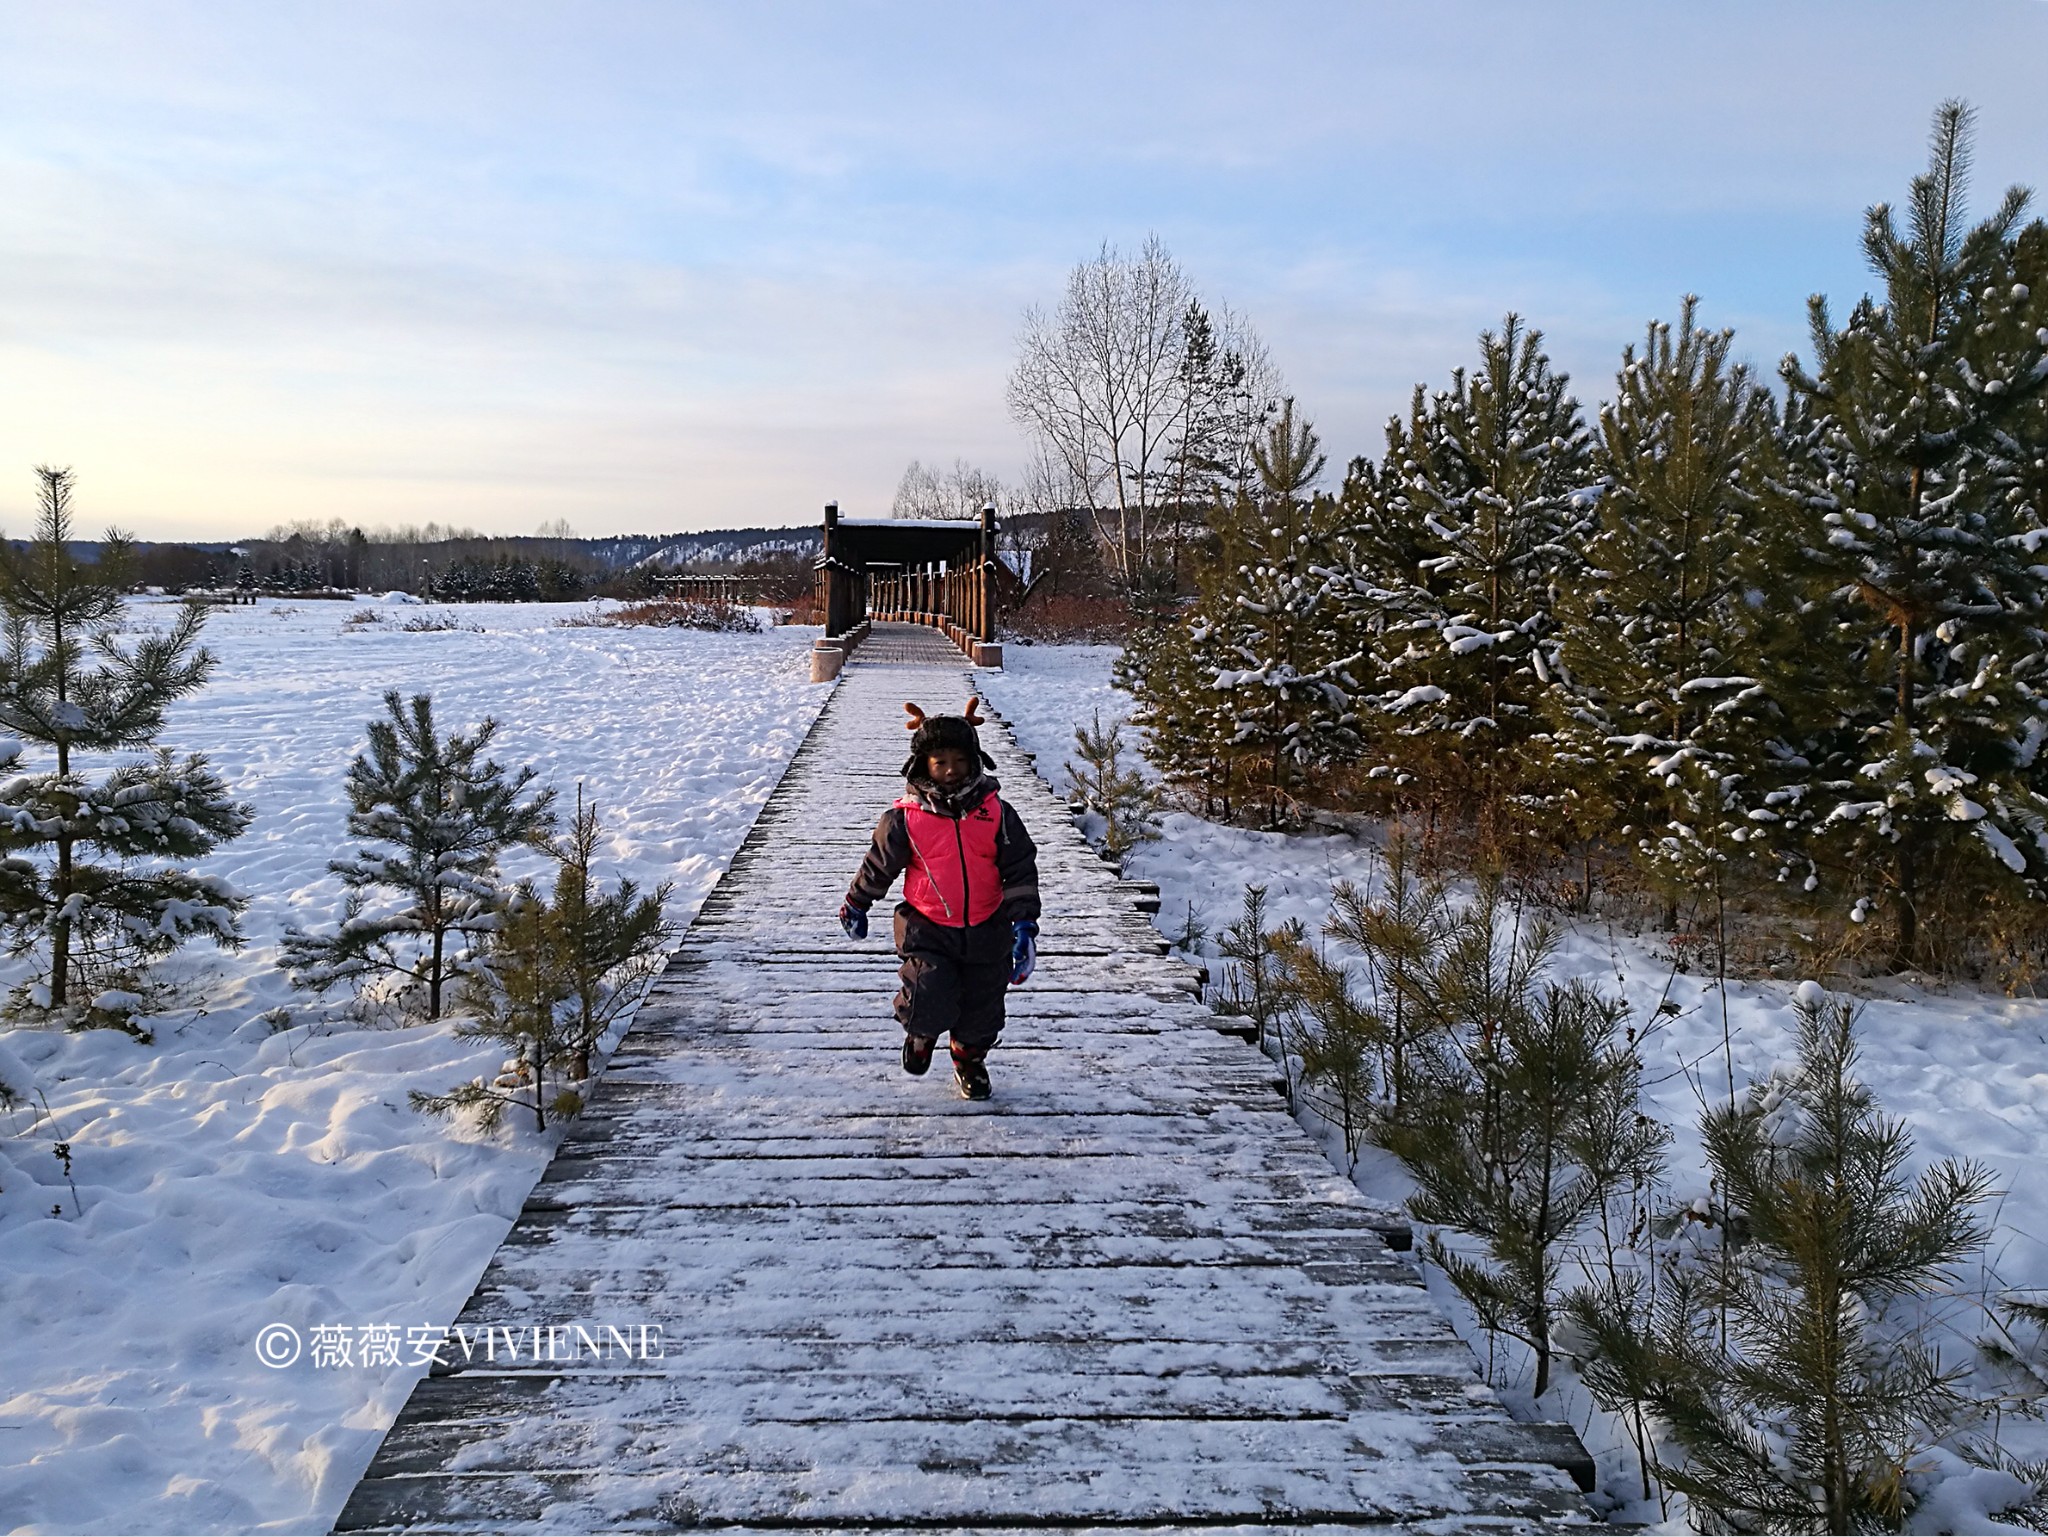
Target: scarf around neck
x: 960, y: 802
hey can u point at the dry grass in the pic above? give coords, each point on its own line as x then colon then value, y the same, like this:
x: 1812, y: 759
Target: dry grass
x: 421, y: 624
x: 1071, y: 621
x: 679, y: 614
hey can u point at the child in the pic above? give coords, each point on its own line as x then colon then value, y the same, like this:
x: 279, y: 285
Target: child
x: 968, y: 924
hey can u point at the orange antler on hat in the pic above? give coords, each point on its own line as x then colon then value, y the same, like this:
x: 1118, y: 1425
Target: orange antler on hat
x: 916, y: 716
x: 972, y: 711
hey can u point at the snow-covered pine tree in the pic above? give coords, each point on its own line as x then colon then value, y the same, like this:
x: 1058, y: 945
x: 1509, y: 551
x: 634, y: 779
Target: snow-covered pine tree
x: 98, y: 870
x: 1108, y: 789
x: 1169, y: 666
x: 1796, y: 1392
x: 1917, y: 447
x: 1288, y: 666
x: 438, y: 814
x: 1377, y: 550
x: 1489, y: 478
x: 1673, y: 639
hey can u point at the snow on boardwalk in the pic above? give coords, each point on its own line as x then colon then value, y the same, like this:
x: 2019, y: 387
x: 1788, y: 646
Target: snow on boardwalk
x: 1128, y: 1291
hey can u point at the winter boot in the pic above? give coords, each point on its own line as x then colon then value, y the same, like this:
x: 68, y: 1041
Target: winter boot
x: 970, y: 1073
x: 917, y: 1054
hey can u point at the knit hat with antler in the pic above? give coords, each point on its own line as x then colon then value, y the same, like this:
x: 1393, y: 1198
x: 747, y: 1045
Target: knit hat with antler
x: 931, y: 733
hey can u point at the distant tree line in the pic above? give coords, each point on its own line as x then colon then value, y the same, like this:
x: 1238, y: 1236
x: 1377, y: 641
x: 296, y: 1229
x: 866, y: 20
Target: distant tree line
x: 457, y: 565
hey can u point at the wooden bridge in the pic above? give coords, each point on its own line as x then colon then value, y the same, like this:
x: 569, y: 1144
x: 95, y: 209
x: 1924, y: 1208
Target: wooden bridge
x: 938, y: 573
x: 1128, y: 1292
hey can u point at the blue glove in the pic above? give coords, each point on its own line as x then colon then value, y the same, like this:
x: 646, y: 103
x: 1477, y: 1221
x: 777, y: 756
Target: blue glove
x: 854, y: 920
x: 1023, y: 952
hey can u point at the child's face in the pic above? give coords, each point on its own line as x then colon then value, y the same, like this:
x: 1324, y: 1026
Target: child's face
x: 948, y: 768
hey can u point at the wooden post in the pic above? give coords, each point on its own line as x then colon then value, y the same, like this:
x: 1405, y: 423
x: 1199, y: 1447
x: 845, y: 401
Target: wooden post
x: 984, y: 651
x: 984, y: 597
x: 838, y: 619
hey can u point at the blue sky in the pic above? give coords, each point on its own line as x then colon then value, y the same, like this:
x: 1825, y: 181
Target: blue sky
x: 665, y: 266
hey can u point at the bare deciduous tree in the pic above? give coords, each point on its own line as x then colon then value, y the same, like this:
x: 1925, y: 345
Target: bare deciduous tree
x: 961, y: 492
x: 1098, y: 381
x: 1130, y: 388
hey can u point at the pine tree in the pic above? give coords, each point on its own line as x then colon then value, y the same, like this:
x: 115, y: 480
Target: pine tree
x: 1169, y: 666
x: 1118, y: 795
x: 1797, y: 1396
x: 1337, y: 1038
x: 1911, y: 451
x: 1521, y: 1129
x: 516, y: 996
x: 1255, y: 984
x: 555, y: 974
x: 110, y: 889
x: 1228, y: 387
x: 438, y: 814
x: 1401, y: 938
x: 1680, y: 640
x: 607, y: 941
x: 1487, y: 483
x: 1288, y: 673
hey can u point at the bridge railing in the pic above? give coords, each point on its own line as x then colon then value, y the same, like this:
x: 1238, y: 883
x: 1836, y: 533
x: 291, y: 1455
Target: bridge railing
x: 696, y: 587
x: 955, y: 595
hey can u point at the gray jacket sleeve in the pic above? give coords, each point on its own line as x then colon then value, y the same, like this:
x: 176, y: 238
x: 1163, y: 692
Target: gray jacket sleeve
x: 1017, y: 864
x: 887, y: 857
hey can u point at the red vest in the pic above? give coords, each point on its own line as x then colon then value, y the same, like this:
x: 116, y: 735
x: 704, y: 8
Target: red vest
x: 952, y: 877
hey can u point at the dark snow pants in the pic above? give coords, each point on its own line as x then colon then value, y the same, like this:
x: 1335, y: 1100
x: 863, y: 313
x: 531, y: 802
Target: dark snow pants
x: 954, y: 979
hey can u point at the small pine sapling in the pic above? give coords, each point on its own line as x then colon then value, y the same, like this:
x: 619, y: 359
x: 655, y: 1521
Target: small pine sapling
x: 608, y: 941
x: 1337, y: 1039
x: 1400, y: 937
x: 1510, y: 1132
x: 98, y: 871
x: 1193, y: 931
x: 1255, y: 986
x: 554, y: 976
x: 439, y: 814
x: 1797, y: 1385
x: 517, y: 995
x: 1106, y: 788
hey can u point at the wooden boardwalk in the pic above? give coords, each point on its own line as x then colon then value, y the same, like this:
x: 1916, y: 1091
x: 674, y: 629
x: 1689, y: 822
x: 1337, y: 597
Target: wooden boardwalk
x: 1128, y: 1292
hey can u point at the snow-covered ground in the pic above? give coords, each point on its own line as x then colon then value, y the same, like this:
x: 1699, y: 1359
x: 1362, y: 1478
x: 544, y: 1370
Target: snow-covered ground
x: 1967, y: 1071
x: 253, y: 1167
